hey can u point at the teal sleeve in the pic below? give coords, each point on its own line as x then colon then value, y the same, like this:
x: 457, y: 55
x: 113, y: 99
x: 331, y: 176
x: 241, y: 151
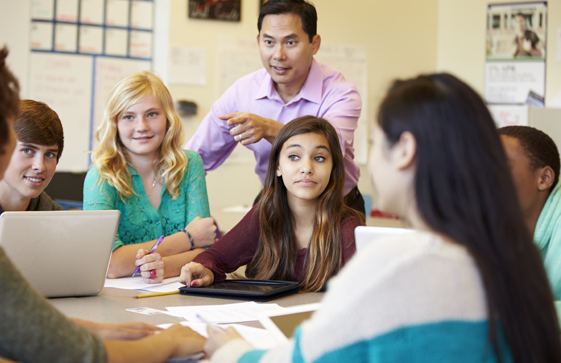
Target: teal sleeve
x: 100, y: 196
x: 552, y: 262
x: 196, y: 193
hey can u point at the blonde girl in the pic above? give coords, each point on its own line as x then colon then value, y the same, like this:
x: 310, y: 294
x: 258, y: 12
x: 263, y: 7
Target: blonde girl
x: 140, y: 169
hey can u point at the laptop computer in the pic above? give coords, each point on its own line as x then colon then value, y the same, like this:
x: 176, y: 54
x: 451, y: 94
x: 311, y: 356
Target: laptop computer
x: 282, y: 324
x: 365, y: 235
x: 61, y: 253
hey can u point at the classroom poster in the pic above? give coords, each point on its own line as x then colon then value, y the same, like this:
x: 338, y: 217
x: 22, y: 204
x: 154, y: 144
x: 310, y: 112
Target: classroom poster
x: 515, y: 53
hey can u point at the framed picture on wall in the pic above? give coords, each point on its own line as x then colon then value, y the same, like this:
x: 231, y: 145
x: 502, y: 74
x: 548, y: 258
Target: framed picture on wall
x: 227, y: 10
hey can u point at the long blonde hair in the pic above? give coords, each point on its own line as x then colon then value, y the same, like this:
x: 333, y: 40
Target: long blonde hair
x: 110, y: 156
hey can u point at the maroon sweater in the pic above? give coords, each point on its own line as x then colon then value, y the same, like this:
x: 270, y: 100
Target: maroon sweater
x: 239, y: 245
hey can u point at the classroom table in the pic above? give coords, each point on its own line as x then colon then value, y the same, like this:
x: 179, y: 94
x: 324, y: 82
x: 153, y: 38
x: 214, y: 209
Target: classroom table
x: 111, y: 304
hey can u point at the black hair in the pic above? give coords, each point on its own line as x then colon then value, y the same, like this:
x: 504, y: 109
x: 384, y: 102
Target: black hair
x: 9, y: 98
x: 538, y: 147
x: 464, y: 190
x: 302, y: 8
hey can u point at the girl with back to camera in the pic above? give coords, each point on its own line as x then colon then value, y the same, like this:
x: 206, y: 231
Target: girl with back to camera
x: 468, y: 286
x: 300, y: 230
x: 140, y: 169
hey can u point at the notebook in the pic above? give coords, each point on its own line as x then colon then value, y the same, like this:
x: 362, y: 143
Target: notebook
x: 61, y: 253
x: 365, y: 235
x: 282, y: 324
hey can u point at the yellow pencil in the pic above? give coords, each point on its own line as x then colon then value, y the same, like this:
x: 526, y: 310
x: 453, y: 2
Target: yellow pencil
x: 157, y: 294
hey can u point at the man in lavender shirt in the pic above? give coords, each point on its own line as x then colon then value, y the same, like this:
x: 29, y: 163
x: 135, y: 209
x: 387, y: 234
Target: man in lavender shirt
x: 291, y: 84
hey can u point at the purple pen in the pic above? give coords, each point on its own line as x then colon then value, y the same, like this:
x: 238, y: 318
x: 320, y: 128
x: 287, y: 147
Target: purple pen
x: 149, y: 252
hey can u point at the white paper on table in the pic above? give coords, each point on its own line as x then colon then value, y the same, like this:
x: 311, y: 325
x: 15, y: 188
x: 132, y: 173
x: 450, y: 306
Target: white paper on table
x: 259, y: 338
x: 137, y: 283
x: 222, y: 314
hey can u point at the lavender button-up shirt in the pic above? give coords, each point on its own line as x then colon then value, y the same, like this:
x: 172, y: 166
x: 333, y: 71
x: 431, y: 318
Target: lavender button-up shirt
x: 326, y: 94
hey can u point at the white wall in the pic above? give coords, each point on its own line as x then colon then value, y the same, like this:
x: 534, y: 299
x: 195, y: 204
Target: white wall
x: 14, y: 32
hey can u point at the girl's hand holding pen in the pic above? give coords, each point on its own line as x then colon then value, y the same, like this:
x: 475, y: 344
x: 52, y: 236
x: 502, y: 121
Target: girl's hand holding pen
x: 196, y: 275
x: 151, y: 266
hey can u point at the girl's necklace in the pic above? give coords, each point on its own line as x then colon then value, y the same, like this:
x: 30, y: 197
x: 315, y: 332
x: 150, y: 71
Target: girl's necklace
x: 153, y: 185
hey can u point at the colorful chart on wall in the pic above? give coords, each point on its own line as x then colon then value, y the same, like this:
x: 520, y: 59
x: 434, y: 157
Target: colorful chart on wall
x: 516, y: 48
x: 79, y: 50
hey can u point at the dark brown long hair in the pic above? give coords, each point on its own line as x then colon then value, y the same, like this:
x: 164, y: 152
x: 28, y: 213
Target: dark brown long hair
x: 278, y: 248
x: 464, y: 190
x: 9, y: 98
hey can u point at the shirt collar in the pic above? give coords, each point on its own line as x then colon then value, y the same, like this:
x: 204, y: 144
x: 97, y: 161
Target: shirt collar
x: 311, y: 90
x: 131, y: 169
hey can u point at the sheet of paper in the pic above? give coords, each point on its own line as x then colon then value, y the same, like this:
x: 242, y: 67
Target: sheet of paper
x: 141, y: 15
x: 91, y: 39
x: 187, y: 66
x: 41, y: 35
x: 259, y: 338
x: 137, y: 283
x: 352, y: 62
x: 116, y: 42
x: 117, y: 13
x: 67, y: 10
x: 91, y: 11
x: 66, y: 36
x: 42, y: 9
x: 224, y: 314
x: 140, y: 44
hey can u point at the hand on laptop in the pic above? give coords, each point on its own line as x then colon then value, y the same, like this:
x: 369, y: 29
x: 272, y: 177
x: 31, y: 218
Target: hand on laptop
x: 120, y: 331
x: 196, y: 275
x: 151, y: 266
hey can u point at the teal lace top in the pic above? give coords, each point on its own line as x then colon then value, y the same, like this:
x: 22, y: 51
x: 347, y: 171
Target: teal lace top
x: 140, y: 222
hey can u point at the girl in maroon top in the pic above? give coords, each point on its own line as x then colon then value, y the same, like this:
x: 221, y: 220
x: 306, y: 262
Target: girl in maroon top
x: 301, y: 229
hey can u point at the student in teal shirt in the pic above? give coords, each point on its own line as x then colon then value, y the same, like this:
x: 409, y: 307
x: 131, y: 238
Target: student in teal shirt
x: 140, y: 169
x: 534, y: 162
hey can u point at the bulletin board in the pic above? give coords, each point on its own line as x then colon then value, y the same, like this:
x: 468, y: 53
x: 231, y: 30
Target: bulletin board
x: 79, y: 50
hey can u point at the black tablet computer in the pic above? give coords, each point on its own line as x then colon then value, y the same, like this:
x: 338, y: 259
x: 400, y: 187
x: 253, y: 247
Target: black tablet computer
x: 245, y: 289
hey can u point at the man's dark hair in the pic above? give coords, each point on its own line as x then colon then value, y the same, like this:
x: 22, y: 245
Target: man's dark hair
x: 538, y: 146
x: 9, y: 98
x: 304, y: 9
x: 38, y: 124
